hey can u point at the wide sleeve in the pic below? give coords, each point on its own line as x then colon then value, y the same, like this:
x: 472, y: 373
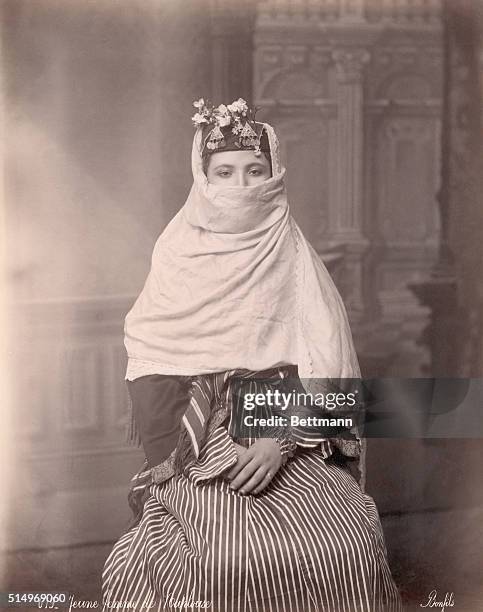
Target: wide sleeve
x: 158, y: 404
x: 216, y: 456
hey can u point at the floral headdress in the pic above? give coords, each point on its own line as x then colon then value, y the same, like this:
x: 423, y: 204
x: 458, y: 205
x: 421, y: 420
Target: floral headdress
x: 218, y: 123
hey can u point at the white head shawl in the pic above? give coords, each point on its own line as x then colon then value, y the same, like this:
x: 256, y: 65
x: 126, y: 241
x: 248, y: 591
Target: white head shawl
x: 235, y: 284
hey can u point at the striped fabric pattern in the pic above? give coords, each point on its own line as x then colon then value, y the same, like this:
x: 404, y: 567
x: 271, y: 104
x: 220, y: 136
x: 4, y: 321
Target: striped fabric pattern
x: 210, y: 403
x: 310, y: 542
x: 214, y: 399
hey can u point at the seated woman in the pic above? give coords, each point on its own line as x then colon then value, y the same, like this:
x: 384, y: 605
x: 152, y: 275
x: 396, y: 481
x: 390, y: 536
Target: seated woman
x: 235, y: 293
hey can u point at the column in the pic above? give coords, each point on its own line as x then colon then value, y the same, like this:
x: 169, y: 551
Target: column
x: 346, y: 217
x: 231, y: 49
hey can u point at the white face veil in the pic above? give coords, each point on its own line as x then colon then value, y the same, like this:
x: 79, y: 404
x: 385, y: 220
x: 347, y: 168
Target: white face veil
x: 235, y: 285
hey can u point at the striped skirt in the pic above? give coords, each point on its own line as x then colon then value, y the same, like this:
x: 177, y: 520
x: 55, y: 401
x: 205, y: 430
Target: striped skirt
x: 309, y: 542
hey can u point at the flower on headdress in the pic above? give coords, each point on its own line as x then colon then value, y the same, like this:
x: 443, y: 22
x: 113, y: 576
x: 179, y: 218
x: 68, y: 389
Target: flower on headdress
x: 237, y: 115
x: 238, y: 106
x: 198, y: 119
x: 223, y: 117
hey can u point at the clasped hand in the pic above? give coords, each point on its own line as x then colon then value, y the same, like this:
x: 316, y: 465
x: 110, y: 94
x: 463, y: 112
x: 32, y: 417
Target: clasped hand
x: 256, y: 466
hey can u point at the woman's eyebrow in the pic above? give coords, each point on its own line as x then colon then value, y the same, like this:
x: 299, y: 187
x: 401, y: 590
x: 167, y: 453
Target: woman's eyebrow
x: 223, y: 166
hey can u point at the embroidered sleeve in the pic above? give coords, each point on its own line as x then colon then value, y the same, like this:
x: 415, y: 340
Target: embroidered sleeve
x: 349, y: 448
x: 288, y: 447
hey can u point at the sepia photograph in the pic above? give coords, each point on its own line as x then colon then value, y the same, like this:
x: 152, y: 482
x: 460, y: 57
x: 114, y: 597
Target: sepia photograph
x: 242, y: 305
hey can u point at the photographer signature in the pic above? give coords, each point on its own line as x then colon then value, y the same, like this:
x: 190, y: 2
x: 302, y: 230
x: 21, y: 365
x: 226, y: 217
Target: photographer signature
x: 433, y: 602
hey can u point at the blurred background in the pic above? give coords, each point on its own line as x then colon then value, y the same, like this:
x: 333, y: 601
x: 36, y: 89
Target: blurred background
x: 378, y: 106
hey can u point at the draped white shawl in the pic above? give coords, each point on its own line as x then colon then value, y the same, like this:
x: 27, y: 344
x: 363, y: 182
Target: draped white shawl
x: 235, y: 284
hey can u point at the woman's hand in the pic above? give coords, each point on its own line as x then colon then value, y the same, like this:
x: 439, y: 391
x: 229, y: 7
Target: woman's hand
x: 240, y: 450
x: 256, y: 466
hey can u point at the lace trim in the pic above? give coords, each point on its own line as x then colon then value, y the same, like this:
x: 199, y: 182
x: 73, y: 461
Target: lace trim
x: 141, y: 367
x: 164, y: 470
x: 288, y: 448
x: 349, y: 448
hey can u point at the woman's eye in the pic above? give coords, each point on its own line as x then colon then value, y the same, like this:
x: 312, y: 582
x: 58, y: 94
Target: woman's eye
x: 223, y: 173
x: 255, y: 172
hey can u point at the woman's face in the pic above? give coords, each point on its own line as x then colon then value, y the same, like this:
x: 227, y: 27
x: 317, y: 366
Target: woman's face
x: 238, y: 168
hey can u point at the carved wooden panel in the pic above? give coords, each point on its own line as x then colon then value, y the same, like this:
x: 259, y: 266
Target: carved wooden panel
x: 407, y: 178
x: 295, y: 72
x: 400, y: 12
x: 80, y: 379
x: 69, y: 413
x: 368, y: 75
